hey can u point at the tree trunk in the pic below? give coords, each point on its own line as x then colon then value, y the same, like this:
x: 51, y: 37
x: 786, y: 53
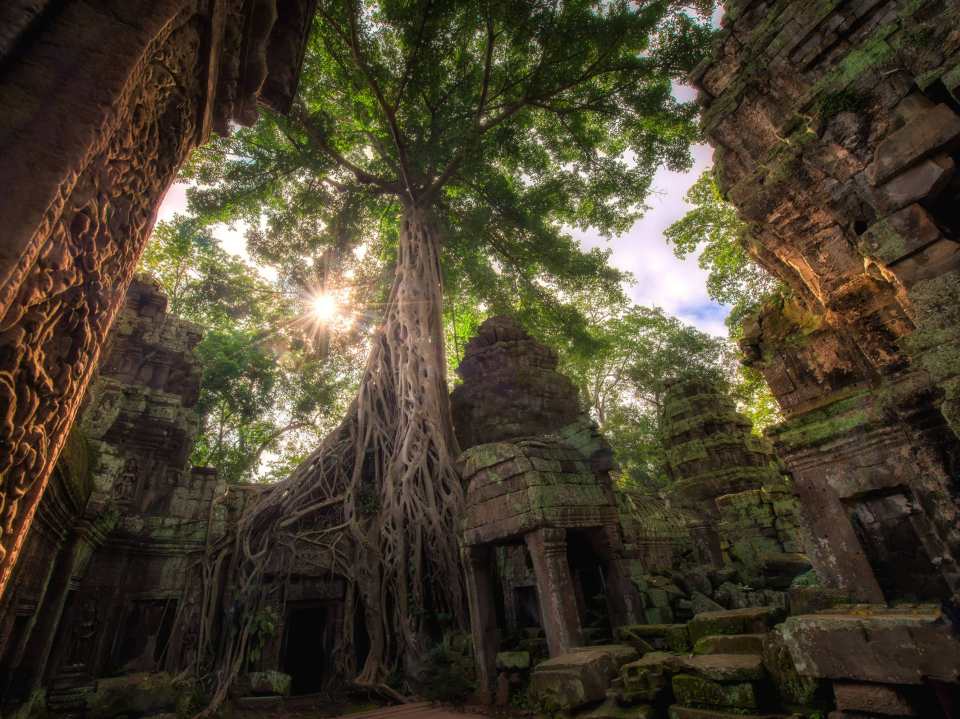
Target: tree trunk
x: 384, y: 480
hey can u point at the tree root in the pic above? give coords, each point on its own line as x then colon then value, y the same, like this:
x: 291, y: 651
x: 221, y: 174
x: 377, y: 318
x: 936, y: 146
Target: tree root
x: 377, y: 503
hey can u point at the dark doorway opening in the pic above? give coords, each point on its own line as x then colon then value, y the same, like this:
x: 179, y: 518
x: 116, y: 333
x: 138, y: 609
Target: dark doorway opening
x: 308, y: 647
x: 891, y: 531
x: 590, y: 586
x: 146, y: 632
x: 527, y: 606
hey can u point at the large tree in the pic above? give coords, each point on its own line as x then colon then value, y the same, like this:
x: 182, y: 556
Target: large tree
x: 458, y: 138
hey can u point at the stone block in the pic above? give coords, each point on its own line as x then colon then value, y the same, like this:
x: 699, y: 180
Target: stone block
x: 730, y: 644
x: 646, y: 678
x: 659, y: 615
x: 925, y: 134
x: 871, y: 643
x: 752, y: 620
x: 780, y: 569
x: 696, y: 691
x: 808, y: 600
x: 577, y: 678
x: 660, y: 636
x: 694, y: 580
x: 872, y: 698
x: 726, y: 667
x: 134, y: 695
x: 513, y: 660
x: 700, y: 603
x: 937, y: 259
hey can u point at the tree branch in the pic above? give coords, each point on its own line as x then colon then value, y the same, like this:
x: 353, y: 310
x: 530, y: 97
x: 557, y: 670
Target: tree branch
x: 320, y: 140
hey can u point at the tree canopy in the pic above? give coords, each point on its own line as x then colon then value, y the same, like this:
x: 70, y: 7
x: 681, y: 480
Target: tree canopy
x: 512, y: 120
x: 267, y: 392
x: 714, y: 228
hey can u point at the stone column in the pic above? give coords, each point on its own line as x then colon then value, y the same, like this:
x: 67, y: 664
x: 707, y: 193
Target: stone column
x: 481, y: 585
x: 555, y: 590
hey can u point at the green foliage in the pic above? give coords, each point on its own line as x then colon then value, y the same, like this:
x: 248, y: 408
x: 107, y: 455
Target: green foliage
x: 635, y: 353
x: 262, y: 627
x: 510, y: 120
x: 449, y: 674
x: 266, y: 390
x: 714, y: 228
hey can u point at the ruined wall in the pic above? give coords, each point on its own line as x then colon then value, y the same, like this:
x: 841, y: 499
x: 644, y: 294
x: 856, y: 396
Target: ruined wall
x: 836, y: 127
x: 102, y: 103
x: 728, y: 480
x: 105, y: 567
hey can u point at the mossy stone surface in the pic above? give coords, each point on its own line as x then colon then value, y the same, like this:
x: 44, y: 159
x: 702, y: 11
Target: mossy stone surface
x: 696, y: 691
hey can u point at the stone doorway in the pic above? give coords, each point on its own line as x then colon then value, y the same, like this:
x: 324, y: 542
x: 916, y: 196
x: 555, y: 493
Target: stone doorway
x: 308, y: 645
x: 144, y: 636
x: 895, y: 537
x: 589, y: 572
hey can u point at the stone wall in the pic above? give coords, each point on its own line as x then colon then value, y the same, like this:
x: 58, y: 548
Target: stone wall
x: 836, y: 127
x: 105, y: 567
x: 102, y: 103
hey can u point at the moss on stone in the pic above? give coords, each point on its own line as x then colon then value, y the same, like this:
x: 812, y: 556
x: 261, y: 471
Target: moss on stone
x: 691, y: 690
x: 824, y: 425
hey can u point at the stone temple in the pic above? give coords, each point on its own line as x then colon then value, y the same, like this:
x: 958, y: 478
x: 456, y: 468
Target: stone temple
x: 810, y: 572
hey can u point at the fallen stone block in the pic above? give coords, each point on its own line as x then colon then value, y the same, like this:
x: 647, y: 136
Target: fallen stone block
x: 610, y: 709
x: 579, y: 677
x: 752, y: 620
x: 872, y: 643
x: 680, y: 712
x: 726, y: 667
x: 780, y: 569
x: 646, y: 678
x: 696, y: 691
x: 793, y: 688
x: 872, y: 698
x: 700, y: 603
x: 659, y: 636
x: 809, y: 600
x: 133, y: 695
x: 730, y: 644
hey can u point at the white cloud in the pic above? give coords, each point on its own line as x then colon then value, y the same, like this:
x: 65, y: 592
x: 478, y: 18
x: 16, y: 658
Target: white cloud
x: 678, y: 286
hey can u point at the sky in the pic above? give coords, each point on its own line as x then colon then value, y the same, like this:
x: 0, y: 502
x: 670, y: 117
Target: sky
x: 661, y: 279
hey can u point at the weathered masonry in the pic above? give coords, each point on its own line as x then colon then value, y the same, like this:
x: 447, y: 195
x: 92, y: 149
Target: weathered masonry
x: 106, y: 566
x: 102, y: 102
x: 837, y: 132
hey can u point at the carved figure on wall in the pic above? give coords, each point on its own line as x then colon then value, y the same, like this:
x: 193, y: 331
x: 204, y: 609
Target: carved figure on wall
x: 81, y: 640
x: 125, y: 487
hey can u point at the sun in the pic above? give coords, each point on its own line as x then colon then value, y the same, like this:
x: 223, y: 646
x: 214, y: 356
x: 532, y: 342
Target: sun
x: 325, y: 307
